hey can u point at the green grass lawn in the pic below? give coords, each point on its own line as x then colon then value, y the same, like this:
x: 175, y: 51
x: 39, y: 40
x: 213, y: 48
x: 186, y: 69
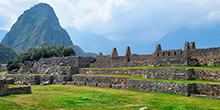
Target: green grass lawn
x: 152, y: 67
x: 161, y: 80
x: 3, y: 73
x: 69, y: 97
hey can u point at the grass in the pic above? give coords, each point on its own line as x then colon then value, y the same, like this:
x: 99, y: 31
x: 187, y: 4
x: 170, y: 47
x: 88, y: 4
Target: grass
x: 69, y: 97
x: 4, y: 73
x: 160, y: 80
x: 12, y: 86
x: 152, y: 67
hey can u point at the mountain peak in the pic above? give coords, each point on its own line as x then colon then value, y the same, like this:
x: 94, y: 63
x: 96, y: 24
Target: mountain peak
x: 37, y: 25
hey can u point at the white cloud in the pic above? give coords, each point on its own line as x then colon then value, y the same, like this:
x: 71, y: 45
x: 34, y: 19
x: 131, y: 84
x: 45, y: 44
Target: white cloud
x: 136, y: 20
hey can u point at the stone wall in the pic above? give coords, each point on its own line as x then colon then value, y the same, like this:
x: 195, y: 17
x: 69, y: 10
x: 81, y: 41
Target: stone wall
x: 207, y: 74
x: 165, y: 73
x: 76, y: 61
x: 19, y: 90
x: 193, y: 89
x: 4, y: 90
x: 208, y: 89
x: 100, y: 79
x: 206, y: 57
x: 190, y: 56
x: 54, y: 70
x: 127, y: 83
x: 154, y: 86
x: 55, y: 66
x: 140, y: 58
x: 37, y: 79
x: 3, y: 67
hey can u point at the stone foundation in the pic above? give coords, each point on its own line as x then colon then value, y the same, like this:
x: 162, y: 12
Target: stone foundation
x: 208, y: 74
x: 4, y: 90
x: 127, y: 83
x: 37, y: 79
x: 194, y: 89
x: 168, y: 74
x: 208, y: 89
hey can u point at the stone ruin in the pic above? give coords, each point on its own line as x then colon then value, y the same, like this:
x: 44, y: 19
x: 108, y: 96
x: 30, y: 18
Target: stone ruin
x: 4, y: 90
x: 64, y: 70
x: 190, y: 56
x: 3, y: 67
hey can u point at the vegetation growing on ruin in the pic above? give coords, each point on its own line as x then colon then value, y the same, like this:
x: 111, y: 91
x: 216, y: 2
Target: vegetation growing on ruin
x: 152, y: 67
x: 160, y: 80
x: 35, y: 54
x: 69, y: 97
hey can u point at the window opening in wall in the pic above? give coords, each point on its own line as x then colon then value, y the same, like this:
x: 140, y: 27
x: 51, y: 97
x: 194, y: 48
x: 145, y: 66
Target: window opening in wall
x: 158, y: 54
x: 168, y: 53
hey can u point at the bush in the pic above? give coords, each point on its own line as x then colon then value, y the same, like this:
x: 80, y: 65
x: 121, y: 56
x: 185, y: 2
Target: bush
x: 34, y: 54
x: 68, y: 51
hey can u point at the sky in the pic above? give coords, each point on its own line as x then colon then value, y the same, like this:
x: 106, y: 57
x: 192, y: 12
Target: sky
x: 134, y: 21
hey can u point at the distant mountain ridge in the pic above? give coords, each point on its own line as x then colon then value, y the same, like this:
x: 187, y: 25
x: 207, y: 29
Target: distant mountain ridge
x: 2, y: 34
x: 38, y: 26
x: 204, y: 37
x: 90, y: 41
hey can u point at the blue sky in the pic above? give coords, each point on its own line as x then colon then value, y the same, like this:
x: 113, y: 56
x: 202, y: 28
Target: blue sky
x: 134, y: 21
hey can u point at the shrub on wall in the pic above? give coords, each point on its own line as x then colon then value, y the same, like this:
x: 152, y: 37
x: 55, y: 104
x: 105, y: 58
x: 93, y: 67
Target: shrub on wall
x: 68, y: 51
x: 35, y: 54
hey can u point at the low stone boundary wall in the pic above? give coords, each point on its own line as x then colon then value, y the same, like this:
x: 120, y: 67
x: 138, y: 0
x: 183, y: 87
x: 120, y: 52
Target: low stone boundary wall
x: 154, y: 86
x: 208, y: 74
x: 208, y: 89
x: 4, y: 90
x: 161, y: 73
x: 19, y: 90
x: 127, y: 83
x: 165, y: 73
x: 37, y: 79
x: 101, y: 79
x: 193, y: 89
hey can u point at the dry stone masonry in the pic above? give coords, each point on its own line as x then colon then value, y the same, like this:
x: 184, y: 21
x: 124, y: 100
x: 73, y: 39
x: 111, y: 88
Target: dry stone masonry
x: 3, y: 67
x: 190, y: 56
x: 63, y: 70
x: 4, y: 90
x: 164, y: 73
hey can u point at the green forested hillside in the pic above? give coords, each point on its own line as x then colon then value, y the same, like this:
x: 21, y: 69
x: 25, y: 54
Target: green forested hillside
x: 37, y: 26
x: 6, y: 54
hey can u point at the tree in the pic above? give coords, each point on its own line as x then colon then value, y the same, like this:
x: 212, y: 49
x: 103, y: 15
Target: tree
x: 69, y: 51
x: 42, y: 52
x: 100, y: 54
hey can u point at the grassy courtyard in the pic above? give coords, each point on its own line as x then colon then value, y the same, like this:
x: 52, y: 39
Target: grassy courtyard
x: 69, y: 97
